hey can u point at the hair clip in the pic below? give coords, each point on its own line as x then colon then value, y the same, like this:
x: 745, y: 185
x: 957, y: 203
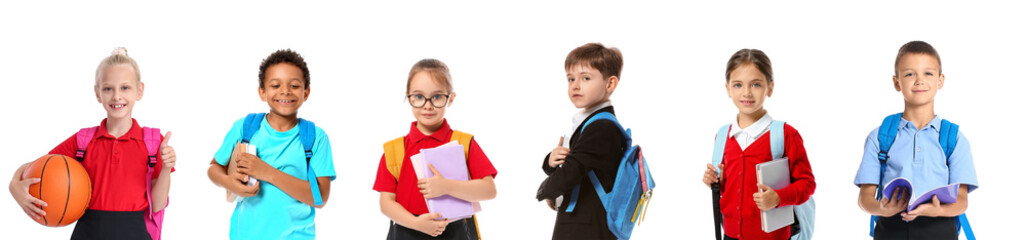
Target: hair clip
x: 120, y: 51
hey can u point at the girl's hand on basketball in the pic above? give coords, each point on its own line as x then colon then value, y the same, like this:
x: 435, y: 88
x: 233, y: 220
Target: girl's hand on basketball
x: 710, y: 176
x: 29, y: 204
x: 766, y: 199
x: 434, y: 186
x: 238, y: 185
x: 253, y: 166
x: 558, y: 154
x: 896, y: 203
x: 167, y: 153
x: 427, y: 224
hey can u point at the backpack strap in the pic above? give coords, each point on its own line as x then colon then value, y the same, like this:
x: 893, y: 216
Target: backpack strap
x: 948, y: 140
x: 250, y: 126
x: 307, y: 134
x: 153, y: 219
x: 776, y: 132
x: 591, y: 174
x: 82, y: 139
x: 885, y: 136
x: 464, y: 140
x: 717, y: 158
x: 395, y: 150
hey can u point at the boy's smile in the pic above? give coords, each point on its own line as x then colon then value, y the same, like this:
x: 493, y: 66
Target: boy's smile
x: 284, y: 89
x: 918, y: 78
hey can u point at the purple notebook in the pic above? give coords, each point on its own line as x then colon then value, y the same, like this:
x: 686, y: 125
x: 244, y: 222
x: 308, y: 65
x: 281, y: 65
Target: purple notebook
x: 946, y: 194
x: 450, y: 161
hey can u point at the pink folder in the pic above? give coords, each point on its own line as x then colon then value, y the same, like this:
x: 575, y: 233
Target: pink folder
x: 451, y: 162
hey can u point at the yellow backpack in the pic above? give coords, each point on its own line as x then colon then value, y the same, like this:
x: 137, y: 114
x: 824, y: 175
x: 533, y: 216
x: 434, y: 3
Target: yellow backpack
x: 395, y: 152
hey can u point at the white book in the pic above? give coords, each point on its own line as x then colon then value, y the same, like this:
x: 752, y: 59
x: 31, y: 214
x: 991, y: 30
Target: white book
x: 775, y: 174
x: 232, y: 168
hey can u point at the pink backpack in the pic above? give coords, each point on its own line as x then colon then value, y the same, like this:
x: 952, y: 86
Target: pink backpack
x: 151, y: 136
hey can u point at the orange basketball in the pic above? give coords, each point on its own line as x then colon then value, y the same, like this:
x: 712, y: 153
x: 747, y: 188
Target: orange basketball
x: 64, y: 186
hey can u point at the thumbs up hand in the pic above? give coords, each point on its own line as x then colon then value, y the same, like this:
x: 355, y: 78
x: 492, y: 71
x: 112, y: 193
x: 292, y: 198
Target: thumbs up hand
x: 167, y: 153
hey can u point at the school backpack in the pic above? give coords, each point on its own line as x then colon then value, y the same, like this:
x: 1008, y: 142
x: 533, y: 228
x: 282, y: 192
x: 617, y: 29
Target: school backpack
x: 805, y: 213
x: 307, y: 133
x: 886, y: 135
x: 395, y: 151
x: 627, y: 202
x: 151, y: 137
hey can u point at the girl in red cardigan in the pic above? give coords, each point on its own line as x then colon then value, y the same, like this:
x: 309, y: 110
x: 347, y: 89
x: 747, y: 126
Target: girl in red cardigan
x: 749, y: 82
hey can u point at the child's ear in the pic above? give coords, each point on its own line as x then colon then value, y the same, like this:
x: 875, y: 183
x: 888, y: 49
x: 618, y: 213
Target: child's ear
x: 940, y: 83
x: 142, y: 86
x: 726, y: 86
x: 452, y: 96
x: 260, y: 90
x: 897, y: 86
x: 611, y: 84
x: 306, y: 94
x: 96, y: 90
x: 769, y: 91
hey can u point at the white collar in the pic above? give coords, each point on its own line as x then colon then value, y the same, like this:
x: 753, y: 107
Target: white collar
x: 579, y: 117
x: 754, y: 130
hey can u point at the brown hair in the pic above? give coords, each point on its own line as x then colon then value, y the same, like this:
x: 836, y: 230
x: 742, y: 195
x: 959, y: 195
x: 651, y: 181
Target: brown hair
x: 436, y: 69
x: 751, y: 56
x: 608, y: 61
x: 118, y: 56
x: 916, y: 47
x: 285, y: 56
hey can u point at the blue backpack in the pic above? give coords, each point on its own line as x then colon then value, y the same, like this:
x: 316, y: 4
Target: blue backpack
x: 805, y: 213
x: 307, y: 133
x: 888, y: 131
x: 627, y: 201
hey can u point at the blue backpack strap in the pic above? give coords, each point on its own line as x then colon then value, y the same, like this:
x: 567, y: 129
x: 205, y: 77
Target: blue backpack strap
x: 250, y: 126
x: 777, y: 139
x: 591, y: 174
x: 721, y: 142
x: 307, y: 134
x: 888, y: 131
x: 948, y: 140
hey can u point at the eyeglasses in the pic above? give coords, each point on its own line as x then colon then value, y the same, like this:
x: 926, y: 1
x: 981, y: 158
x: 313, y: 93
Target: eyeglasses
x: 437, y: 100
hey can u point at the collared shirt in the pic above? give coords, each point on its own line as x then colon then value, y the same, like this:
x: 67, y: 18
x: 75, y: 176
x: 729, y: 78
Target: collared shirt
x: 272, y: 213
x: 579, y: 118
x: 116, y: 167
x: 406, y: 192
x: 745, y: 136
x: 917, y: 155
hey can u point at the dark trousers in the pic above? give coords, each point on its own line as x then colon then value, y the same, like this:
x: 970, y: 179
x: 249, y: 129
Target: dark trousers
x: 457, y: 230
x: 96, y: 224
x: 932, y: 228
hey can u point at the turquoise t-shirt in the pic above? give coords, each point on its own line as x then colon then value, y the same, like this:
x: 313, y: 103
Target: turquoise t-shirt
x: 273, y: 214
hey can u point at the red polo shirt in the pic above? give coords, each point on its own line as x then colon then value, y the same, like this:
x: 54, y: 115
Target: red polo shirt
x: 406, y: 191
x: 740, y: 215
x: 116, y: 166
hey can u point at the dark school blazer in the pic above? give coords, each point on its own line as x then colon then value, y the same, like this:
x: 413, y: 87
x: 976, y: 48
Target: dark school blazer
x: 600, y: 148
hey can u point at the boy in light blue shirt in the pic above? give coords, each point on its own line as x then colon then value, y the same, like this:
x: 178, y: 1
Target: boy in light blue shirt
x: 281, y: 204
x: 917, y: 155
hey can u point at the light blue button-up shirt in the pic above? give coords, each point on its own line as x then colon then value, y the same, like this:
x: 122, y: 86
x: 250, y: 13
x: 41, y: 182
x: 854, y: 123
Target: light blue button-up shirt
x: 917, y: 155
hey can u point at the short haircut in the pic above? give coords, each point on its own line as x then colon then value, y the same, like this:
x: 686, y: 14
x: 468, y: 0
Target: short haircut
x: 118, y: 56
x: 750, y: 56
x: 285, y: 56
x: 608, y: 61
x: 916, y: 47
x: 438, y: 71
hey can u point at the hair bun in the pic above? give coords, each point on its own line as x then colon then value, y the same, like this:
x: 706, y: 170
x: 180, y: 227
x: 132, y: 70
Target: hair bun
x: 119, y: 51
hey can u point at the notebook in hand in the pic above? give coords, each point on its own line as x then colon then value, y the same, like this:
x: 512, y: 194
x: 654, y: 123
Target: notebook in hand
x: 775, y: 174
x: 233, y: 168
x: 451, y: 163
x: 946, y: 193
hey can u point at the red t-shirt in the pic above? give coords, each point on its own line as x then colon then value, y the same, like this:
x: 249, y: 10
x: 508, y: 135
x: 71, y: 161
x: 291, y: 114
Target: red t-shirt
x: 740, y: 215
x: 406, y: 191
x: 116, y: 166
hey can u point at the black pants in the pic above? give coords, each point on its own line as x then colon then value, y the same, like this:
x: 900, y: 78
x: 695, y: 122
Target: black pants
x: 888, y: 228
x: 96, y: 224
x: 457, y: 230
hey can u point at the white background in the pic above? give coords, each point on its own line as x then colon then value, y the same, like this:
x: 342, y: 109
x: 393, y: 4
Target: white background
x: 833, y: 65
